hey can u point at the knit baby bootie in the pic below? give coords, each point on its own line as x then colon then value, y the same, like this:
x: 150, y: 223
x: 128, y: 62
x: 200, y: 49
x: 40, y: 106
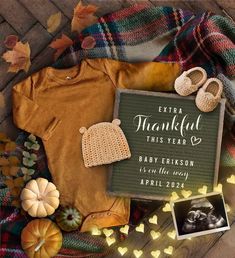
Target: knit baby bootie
x: 209, y: 95
x: 189, y: 81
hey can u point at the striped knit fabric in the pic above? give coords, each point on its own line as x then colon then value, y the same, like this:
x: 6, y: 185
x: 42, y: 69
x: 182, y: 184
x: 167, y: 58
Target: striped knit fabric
x: 144, y: 33
x: 207, y: 40
x: 137, y: 33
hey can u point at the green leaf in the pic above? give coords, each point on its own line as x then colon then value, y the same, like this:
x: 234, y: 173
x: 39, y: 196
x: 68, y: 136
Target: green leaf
x: 35, y: 146
x: 33, y: 157
x: 28, y: 162
x: 32, y: 138
x: 26, y: 154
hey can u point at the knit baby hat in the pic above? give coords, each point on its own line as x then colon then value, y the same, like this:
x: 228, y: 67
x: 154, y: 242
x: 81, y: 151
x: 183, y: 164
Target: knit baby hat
x: 104, y: 143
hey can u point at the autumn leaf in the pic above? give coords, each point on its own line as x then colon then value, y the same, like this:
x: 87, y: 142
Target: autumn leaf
x: 88, y: 42
x: 2, y: 148
x: 60, y: 45
x: 15, y: 192
x: 83, y: 16
x: 19, y: 57
x: 4, y: 138
x: 14, y: 170
x: 9, y: 183
x: 5, y: 170
x: 10, y: 170
x: 16, y: 203
x: 14, y: 161
x: 4, y: 161
x: 53, y: 22
x: 10, y: 146
x: 11, y: 41
x: 19, y: 182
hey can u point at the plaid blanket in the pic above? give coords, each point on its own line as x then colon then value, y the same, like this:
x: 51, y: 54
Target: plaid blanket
x: 137, y: 33
x: 144, y: 33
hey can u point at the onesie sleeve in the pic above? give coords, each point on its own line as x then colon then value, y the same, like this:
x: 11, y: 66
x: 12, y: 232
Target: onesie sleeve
x: 153, y: 76
x: 28, y: 115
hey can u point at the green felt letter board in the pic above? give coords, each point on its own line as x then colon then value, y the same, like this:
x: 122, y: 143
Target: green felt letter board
x: 174, y: 146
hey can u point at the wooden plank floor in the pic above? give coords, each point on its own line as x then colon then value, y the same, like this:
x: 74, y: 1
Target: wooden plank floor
x: 27, y: 19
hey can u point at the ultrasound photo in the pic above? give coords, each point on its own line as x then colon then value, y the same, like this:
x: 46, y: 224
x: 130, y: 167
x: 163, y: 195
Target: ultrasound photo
x: 198, y: 216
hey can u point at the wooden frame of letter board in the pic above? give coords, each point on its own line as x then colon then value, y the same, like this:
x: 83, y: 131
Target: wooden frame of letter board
x: 165, y: 95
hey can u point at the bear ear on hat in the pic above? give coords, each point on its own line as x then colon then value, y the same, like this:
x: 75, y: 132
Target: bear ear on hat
x: 82, y: 130
x: 116, y: 122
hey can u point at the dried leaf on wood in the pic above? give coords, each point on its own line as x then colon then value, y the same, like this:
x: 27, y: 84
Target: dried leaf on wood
x: 11, y: 41
x: 88, y: 42
x: 19, y: 57
x: 60, y: 45
x: 53, y: 22
x: 83, y: 16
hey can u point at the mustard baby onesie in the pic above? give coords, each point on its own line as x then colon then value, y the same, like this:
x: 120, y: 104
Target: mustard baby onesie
x: 54, y: 104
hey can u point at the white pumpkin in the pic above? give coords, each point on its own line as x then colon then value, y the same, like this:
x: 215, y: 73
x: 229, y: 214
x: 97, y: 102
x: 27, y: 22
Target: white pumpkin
x: 40, y: 198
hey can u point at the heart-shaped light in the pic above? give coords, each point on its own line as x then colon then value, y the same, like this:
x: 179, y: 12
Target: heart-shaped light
x: 107, y: 232
x: 167, y: 207
x: 169, y: 250
x: 156, y: 253
x: 110, y: 240
x: 125, y: 229
x: 203, y: 190
x: 227, y: 207
x: 218, y: 188
x: 137, y: 253
x: 154, y: 234
x: 186, y: 193
x: 140, y: 228
x: 172, y: 234
x: 153, y: 220
x: 122, y: 250
x: 231, y: 179
x: 174, y: 196
x: 96, y: 232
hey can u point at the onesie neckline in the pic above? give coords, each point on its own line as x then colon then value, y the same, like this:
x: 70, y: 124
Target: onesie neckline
x: 52, y: 73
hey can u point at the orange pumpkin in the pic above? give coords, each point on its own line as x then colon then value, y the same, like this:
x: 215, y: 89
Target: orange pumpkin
x: 41, y: 238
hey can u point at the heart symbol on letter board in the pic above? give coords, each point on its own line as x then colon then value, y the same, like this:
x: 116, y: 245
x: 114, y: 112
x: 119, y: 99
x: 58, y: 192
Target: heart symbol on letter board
x: 195, y: 141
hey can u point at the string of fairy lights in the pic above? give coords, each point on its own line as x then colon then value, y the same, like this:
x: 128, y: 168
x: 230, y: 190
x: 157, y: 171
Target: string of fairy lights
x: 169, y: 250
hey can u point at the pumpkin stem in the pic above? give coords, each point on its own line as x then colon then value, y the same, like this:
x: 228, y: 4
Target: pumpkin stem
x: 70, y: 217
x: 42, y: 241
